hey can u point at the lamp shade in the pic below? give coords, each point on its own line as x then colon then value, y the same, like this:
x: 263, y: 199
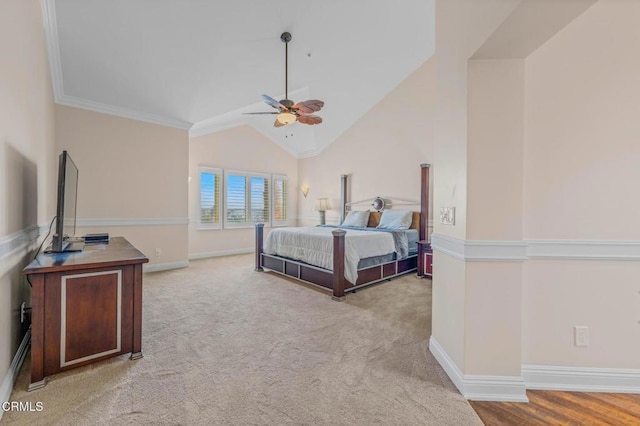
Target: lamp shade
x: 322, y: 204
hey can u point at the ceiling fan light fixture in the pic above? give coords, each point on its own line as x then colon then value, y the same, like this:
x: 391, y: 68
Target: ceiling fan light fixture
x: 286, y: 118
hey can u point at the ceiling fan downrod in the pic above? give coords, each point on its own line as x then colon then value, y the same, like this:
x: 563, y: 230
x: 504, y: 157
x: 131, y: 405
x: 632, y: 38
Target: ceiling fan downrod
x: 286, y: 38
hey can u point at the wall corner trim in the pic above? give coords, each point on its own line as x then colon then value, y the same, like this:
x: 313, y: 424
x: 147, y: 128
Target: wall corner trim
x: 476, y: 387
x: 581, y: 379
x: 9, y: 379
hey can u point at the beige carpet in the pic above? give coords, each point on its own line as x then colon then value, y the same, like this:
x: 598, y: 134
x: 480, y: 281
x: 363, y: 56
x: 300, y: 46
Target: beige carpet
x: 224, y: 345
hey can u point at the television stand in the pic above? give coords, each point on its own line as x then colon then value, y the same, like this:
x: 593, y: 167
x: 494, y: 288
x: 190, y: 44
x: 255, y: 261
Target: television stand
x: 86, y: 306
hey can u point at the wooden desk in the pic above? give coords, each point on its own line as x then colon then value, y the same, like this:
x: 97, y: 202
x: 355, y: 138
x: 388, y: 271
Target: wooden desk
x: 86, y: 306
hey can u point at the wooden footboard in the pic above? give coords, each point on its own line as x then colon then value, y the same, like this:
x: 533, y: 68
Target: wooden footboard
x: 332, y: 280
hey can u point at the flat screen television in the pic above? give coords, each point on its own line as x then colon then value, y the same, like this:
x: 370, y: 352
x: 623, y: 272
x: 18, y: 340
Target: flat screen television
x: 66, y: 204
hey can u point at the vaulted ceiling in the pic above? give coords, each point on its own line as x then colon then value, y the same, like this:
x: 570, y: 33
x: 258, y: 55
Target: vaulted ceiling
x: 199, y: 64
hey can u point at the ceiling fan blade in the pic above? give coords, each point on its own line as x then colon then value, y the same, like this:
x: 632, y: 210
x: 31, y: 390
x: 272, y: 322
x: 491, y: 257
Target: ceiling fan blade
x: 278, y: 124
x: 308, y: 107
x: 309, y: 119
x: 270, y: 112
x: 273, y: 102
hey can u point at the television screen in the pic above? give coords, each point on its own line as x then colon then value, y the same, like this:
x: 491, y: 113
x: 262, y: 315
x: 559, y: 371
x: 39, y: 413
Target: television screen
x: 66, y: 203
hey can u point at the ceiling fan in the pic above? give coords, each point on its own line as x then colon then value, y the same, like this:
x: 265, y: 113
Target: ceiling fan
x: 289, y: 112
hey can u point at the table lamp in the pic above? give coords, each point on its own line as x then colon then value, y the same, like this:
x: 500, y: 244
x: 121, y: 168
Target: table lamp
x: 322, y: 205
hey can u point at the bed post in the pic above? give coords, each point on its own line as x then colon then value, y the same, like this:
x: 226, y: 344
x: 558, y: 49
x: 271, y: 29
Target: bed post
x: 424, y: 201
x: 259, y: 233
x: 343, y: 196
x: 338, y: 264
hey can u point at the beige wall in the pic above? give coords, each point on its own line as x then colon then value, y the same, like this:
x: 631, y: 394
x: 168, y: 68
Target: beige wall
x: 131, y: 173
x: 495, y: 149
x: 382, y: 152
x: 27, y: 159
x: 242, y: 149
x: 461, y: 28
x: 494, y: 208
x: 581, y: 166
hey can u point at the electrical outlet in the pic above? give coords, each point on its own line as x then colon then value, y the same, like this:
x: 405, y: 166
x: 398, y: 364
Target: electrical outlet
x: 581, y: 336
x: 158, y: 252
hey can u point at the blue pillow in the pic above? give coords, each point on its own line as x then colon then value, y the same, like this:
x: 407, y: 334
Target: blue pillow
x: 395, y: 219
x: 357, y: 218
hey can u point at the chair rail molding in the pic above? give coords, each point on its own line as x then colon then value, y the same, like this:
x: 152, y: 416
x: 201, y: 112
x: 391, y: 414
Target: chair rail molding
x: 153, y: 221
x: 518, y: 251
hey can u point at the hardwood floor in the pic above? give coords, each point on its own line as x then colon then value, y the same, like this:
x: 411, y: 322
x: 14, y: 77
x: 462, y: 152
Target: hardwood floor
x: 563, y: 408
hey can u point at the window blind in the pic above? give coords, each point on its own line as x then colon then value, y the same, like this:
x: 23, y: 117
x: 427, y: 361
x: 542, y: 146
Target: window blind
x: 280, y: 200
x: 236, y: 199
x: 210, y: 196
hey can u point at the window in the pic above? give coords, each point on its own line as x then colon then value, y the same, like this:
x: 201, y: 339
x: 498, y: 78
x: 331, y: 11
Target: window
x: 280, y: 200
x: 210, y: 200
x: 247, y: 198
x: 234, y: 199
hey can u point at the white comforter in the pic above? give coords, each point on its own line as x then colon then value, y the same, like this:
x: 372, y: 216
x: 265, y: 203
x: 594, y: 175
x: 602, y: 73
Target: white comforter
x: 315, y: 246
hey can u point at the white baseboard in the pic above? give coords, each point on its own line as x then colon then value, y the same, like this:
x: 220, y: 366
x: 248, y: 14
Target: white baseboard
x: 480, y: 388
x: 9, y: 379
x: 220, y: 253
x: 164, y: 266
x: 581, y: 379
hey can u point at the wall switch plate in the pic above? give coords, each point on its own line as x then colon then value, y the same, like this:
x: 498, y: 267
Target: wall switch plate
x: 448, y: 215
x: 581, y: 336
x: 158, y: 252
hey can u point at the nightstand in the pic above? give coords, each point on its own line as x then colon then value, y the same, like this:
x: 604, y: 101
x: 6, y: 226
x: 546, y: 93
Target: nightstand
x: 425, y: 259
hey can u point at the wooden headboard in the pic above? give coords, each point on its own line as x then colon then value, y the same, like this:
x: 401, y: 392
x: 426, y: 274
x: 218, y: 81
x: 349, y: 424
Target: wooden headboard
x: 374, y: 220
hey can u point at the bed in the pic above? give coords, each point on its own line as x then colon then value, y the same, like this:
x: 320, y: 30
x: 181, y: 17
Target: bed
x: 346, y: 258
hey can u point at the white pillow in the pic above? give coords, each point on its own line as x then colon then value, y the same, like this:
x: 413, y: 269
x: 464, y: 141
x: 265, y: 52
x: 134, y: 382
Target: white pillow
x: 357, y: 218
x: 395, y: 219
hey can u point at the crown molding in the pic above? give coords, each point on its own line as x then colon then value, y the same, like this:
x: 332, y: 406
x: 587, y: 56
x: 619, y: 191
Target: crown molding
x: 216, y: 124
x: 122, y: 112
x: 55, y: 68
x: 53, y: 47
